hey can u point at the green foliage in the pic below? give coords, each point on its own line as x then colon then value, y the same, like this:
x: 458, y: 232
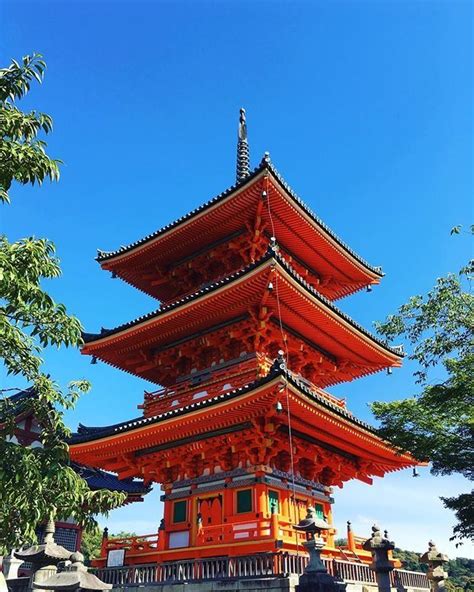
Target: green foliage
x: 90, y: 544
x: 23, y: 155
x: 410, y: 560
x: 438, y: 424
x: 461, y: 573
x: 36, y: 482
x: 27, y: 306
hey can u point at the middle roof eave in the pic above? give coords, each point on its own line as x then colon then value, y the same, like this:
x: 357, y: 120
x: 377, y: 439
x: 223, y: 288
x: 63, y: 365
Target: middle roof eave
x: 94, y: 342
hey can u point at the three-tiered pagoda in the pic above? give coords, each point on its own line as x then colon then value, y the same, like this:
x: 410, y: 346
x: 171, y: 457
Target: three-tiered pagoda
x: 241, y: 435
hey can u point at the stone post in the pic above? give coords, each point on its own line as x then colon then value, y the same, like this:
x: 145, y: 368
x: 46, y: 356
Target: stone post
x: 316, y: 577
x: 436, y: 574
x: 3, y: 583
x: 380, y: 546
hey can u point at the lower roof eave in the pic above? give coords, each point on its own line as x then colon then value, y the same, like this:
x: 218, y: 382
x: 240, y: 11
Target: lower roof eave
x: 91, y: 440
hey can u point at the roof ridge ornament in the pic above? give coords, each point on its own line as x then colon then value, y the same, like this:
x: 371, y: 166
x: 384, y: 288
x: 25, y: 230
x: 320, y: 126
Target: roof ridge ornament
x: 243, y: 154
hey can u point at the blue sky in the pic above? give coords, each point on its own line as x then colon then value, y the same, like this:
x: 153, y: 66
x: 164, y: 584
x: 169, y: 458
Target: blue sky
x: 366, y: 109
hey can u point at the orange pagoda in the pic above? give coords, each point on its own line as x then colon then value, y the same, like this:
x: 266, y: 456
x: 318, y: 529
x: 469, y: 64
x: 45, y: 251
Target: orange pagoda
x: 241, y: 434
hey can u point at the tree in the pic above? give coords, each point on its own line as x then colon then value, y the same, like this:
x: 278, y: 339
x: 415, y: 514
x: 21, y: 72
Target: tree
x: 438, y: 424
x: 90, y: 544
x: 36, y: 483
x: 22, y: 153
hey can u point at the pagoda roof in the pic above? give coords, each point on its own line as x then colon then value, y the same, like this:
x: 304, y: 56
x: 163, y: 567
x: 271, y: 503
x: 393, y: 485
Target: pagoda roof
x: 335, y: 246
x: 15, y: 404
x: 342, y: 429
x: 98, y: 344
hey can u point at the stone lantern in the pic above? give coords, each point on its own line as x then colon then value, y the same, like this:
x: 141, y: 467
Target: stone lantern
x: 74, y: 578
x: 436, y: 574
x: 44, y: 558
x: 380, y: 545
x: 316, y: 577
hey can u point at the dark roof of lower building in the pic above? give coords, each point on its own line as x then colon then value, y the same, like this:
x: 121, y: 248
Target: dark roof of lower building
x: 98, y: 479
x: 15, y: 404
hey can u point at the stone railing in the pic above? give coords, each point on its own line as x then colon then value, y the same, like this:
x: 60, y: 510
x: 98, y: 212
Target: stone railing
x: 402, y: 578
x: 249, y: 566
x: 350, y: 571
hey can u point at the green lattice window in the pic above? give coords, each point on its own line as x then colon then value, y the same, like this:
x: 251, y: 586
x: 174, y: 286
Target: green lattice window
x: 273, y: 502
x: 244, y: 501
x: 179, y: 511
x: 319, y: 508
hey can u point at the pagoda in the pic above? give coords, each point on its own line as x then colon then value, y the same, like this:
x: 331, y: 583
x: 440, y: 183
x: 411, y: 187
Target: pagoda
x: 241, y: 434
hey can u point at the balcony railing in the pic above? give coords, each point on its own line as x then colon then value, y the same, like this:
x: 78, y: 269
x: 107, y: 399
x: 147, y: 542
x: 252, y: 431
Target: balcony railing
x: 226, y: 533
x: 216, y: 380
x: 133, y: 544
x: 249, y: 566
x: 234, y: 532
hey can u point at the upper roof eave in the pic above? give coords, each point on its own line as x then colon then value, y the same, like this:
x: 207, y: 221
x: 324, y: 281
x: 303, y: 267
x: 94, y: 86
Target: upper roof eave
x: 265, y: 164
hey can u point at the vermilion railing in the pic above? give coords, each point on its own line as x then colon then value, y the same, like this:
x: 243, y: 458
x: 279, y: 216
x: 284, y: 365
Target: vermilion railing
x: 132, y: 544
x: 230, y: 532
x: 219, y: 381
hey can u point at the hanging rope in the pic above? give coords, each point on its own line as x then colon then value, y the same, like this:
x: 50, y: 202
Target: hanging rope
x: 266, y: 197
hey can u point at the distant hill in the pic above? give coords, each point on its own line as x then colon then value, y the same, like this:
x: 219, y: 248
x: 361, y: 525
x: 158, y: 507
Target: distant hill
x: 460, y: 570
